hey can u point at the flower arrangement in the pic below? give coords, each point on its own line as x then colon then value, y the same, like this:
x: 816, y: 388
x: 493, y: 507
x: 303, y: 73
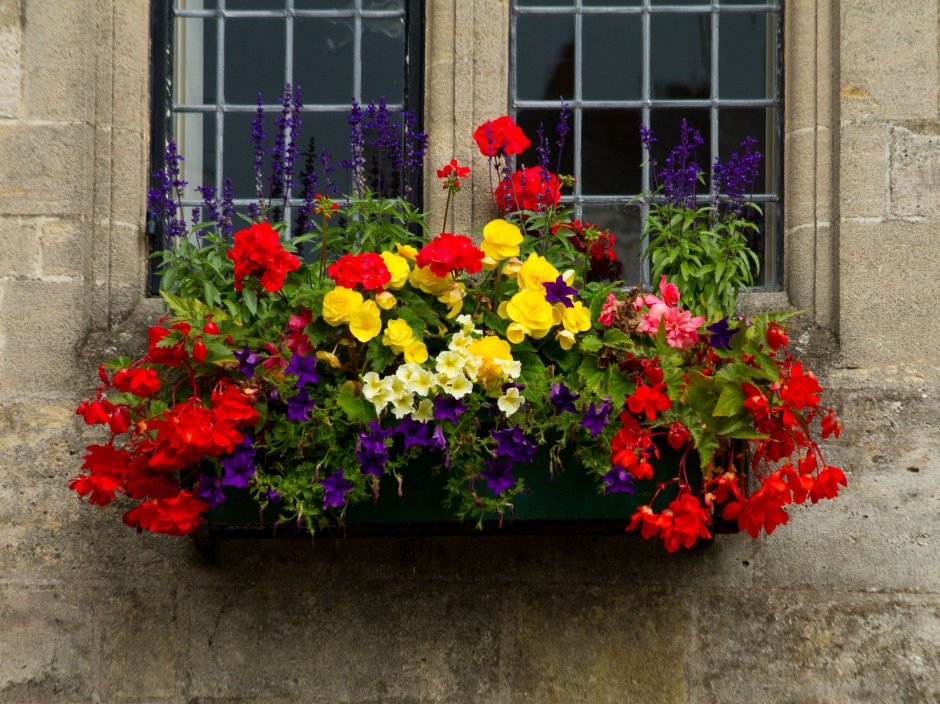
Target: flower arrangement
x: 305, y: 369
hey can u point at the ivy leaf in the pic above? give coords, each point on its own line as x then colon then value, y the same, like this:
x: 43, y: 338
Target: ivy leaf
x: 729, y: 401
x: 354, y: 405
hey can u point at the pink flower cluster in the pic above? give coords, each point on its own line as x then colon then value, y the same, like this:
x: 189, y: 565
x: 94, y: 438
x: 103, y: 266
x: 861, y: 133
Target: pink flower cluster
x: 681, y: 326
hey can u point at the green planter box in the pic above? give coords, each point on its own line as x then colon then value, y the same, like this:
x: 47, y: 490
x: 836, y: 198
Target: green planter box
x: 566, y: 502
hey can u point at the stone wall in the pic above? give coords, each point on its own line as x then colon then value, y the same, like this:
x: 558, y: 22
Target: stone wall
x: 842, y: 605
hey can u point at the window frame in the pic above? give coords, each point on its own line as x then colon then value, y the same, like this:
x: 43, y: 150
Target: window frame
x: 163, y: 108
x: 773, y: 253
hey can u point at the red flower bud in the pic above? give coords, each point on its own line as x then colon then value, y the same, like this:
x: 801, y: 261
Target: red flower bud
x: 210, y: 328
x: 120, y: 420
x: 200, y: 351
x: 776, y: 337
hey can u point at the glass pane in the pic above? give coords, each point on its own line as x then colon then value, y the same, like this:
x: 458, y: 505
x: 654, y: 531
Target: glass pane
x: 195, y: 61
x: 254, y: 59
x: 254, y: 5
x: 746, y: 66
x: 330, y: 131
x: 323, y: 59
x: 238, y: 152
x: 667, y: 125
x: 680, y: 56
x: 383, y: 5
x: 544, y: 57
x: 623, y: 221
x: 612, y: 51
x: 195, y: 140
x: 323, y: 4
x: 529, y: 121
x: 383, y: 59
x: 766, y: 222
x: 196, y: 4
x: 736, y: 124
x: 610, y: 152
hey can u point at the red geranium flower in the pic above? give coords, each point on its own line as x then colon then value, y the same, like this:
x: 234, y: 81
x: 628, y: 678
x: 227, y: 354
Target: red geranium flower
x: 179, y: 515
x: 367, y: 269
x: 258, y: 250
x: 448, y: 253
x: 649, y: 400
x: 529, y: 189
x: 501, y: 136
x: 451, y: 175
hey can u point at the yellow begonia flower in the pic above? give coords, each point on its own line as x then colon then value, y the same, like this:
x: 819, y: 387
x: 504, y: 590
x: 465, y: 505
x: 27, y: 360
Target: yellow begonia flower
x: 416, y: 352
x: 576, y: 318
x: 398, y: 268
x: 501, y: 240
x: 535, y: 271
x: 329, y: 358
x: 515, y: 333
x: 492, y: 351
x: 565, y: 339
x: 424, y: 279
x: 398, y: 335
x: 453, y: 298
x: 511, y: 267
x: 385, y: 300
x: 366, y: 322
x: 489, y: 263
x: 340, y: 304
x: 532, y: 312
x: 407, y: 251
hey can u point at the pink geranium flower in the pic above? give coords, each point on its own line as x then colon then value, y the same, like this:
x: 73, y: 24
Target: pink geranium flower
x: 681, y: 328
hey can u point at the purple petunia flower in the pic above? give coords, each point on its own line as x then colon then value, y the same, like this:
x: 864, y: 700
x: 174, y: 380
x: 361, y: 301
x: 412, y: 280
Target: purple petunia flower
x: 563, y: 399
x: 558, y: 291
x: 449, y: 408
x: 305, y: 368
x: 595, y: 418
x: 299, y: 406
x: 372, y: 452
x: 721, y: 334
x: 414, y: 432
x: 210, y: 490
x: 512, y: 444
x: 239, y: 466
x: 273, y: 495
x: 619, y: 480
x: 247, y: 360
x: 335, y: 488
x: 438, y: 441
x: 498, y: 475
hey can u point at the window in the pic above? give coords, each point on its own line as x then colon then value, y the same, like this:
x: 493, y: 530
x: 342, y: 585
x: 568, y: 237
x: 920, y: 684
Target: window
x: 620, y: 63
x: 212, y: 57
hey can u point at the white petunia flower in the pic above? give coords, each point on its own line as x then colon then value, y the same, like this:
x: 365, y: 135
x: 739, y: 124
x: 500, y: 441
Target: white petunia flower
x: 510, y: 401
x: 450, y: 363
x: 425, y: 411
x: 403, y: 405
x: 511, y: 368
x: 459, y: 387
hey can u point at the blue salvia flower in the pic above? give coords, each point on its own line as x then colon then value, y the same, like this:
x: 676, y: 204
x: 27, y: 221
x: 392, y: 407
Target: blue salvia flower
x: 227, y: 212
x: 257, y: 140
x: 211, y: 205
x: 562, y: 129
x: 167, y: 193
x: 680, y: 173
x: 326, y: 164
x: 735, y: 177
x: 356, y: 160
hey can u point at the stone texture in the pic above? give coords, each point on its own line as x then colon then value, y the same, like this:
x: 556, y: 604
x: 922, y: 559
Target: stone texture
x: 58, y: 60
x: 864, y: 170
x: 888, y: 273
x: 64, y: 244
x: 19, y: 247
x: 45, y: 169
x: 11, y: 38
x: 915, y: 170
x: 888, y: 58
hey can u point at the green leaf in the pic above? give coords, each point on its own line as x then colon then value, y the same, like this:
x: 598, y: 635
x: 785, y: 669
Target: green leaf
x: 618, y: 386
x: 592, y: 376
x: 591, y: 343
x: 354, y: 405
x: 251, y: 301
x: 729, y: 402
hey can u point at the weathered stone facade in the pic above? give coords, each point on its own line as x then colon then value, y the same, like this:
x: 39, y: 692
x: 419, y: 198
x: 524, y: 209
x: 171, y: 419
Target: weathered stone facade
x: 842, y: 605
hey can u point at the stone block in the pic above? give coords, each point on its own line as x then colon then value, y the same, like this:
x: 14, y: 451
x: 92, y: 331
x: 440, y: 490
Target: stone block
x: 41, y: 324
x: 915, y: 170
x: 131, y: 65
x: 878, y: 79
x: 19, y: 247
x: 298, y: 639
x: 598, y: 645
x: 774, y: 647
x: 11, y: 58
x: 137, y: 632
x: 65, y: 248
x: 863, y: 170
x: 800, y: 56
x: 59, y: 60
x: 800, y: 181
x: 46, y: 651
x: 889, y: 282
x: 128, y: 172
x: 45, y: 169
